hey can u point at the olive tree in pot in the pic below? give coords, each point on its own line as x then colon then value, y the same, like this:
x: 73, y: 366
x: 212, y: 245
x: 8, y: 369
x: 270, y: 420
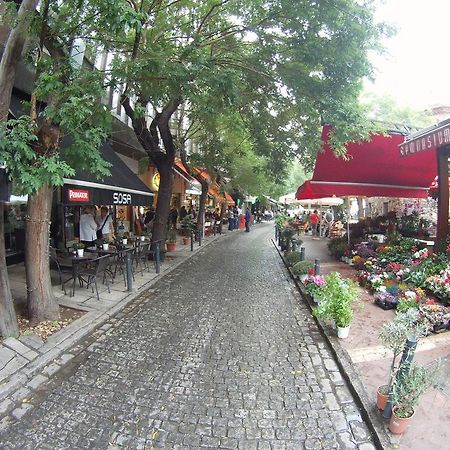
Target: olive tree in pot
x: 408, y: 390
x: 393, y: 336
x: 171, y: 240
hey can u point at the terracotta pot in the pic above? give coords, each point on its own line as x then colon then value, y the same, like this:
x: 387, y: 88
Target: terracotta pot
x: 186, y: 240
x: 398, y: 425
x: 382, y: 398
x: 171, y: 246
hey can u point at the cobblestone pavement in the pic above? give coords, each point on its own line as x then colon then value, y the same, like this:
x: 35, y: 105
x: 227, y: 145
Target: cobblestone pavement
x: 221, y: 354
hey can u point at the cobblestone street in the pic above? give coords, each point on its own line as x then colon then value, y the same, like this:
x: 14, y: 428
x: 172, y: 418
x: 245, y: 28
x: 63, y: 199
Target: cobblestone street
x: 221, y: 353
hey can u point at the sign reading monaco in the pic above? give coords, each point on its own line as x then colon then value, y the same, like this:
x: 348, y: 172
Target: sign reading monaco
x: 431, y: 140
x: 78, y: 195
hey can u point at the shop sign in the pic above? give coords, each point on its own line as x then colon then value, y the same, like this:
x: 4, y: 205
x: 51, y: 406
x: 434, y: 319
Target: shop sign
x: 120, y: 198
x: 431, y: 140
x: 78, y: 195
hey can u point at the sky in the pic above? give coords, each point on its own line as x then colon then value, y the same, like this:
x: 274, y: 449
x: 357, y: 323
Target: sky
x: 416, y: 70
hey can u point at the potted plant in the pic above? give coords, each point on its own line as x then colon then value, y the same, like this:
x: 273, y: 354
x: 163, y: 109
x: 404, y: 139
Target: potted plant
x: 125, y: 237
x: 293, y: 258
x: 407, y: 391
x: 105, y: 244
x: 335, y: 302
x: 171, y: 241
x: 301, y: 269
x: 79, y: 248
x: 393, y: 336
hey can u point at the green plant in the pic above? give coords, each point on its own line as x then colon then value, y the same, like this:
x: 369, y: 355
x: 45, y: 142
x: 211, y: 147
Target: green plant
x: 408, y: 389
x: 336, y: 298
x: 405, y: 303
x: 338, y: 247
x: 302, y: 267
x: 78, y: 246
x: 172, y: 236
x: 105, y: 241
x: 393, y: 336
x: 293, y: 258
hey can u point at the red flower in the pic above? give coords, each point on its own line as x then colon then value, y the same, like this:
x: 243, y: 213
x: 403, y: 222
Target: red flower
x: 311, y: 271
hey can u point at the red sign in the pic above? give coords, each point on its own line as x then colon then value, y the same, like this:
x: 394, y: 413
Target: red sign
x: 78, y: 195
x: 431, y: 140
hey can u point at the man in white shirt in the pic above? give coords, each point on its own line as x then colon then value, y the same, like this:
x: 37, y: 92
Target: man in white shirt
x: 88, y: 227
x: 105, y: 224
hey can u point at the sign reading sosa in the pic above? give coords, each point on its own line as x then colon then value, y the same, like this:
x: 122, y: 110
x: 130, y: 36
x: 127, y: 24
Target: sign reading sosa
x: 78, y: 195
x: 119, y: 198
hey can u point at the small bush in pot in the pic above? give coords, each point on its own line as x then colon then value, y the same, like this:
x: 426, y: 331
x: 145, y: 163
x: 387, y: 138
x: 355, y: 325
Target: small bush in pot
x: 407, y: 391
x: 393, y: 336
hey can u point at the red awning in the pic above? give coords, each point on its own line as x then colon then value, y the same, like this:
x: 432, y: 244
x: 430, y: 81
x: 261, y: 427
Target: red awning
x: 372, y: 169
x: 229, y: 199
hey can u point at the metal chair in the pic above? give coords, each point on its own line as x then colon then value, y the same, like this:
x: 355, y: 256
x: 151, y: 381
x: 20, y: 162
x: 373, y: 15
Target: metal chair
x: 140, y: 256
x: 97, y: 267
x: 60, y: 266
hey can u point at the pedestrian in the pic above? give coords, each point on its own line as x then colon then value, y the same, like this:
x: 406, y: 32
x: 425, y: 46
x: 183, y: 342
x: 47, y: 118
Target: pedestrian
x: 236, y: 215
x: 230, y: 216
x: 183, y: 212
x: 314, y: 220
x: 88, y: 227
x: 149, y: 219
x: 248, y: 218
x: 105, y: 225
x: 173, y: 217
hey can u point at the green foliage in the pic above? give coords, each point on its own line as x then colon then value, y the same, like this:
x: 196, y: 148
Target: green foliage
x: 172, y: 236
x: 337, y: 247
x: 293, y: 258
x: 408, y: 389
x: 302, y: 267
x: 336, y: 298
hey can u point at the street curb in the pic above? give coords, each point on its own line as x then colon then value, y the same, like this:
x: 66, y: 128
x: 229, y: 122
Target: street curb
x: 68, y: 337
x: 351, y: 376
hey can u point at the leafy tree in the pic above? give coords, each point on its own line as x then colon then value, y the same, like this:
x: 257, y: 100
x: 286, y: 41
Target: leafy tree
x: 65, y: 104
x: 281, y: 64
x: 8, y: 64
x: 385, y: 109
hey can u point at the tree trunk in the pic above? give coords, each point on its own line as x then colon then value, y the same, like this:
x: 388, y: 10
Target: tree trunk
x: 163, y: 205
x: 8, y: 64
x: 202, y: 204
x: 11, y: 55
x: 8, y: 320
x: 42, y: 304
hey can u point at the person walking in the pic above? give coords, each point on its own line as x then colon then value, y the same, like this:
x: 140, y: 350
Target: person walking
x: 314, y: 220
x: 105, y: 224
x: 248, y: 218
x: 230, y: 216
x: 88, y: 227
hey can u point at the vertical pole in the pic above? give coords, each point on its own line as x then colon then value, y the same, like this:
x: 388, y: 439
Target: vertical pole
x: 129, y: 273
x: 192, y: 241
x: 317, y: 266
x: 294, y: 245
x: 302, y: 253
x: 276, y: 233
x: 157, y: 258
x: 404, y: 366
x: 199, y: 238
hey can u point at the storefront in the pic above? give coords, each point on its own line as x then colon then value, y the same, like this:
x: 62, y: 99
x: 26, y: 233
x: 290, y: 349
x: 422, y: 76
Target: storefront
x: 122, y: 192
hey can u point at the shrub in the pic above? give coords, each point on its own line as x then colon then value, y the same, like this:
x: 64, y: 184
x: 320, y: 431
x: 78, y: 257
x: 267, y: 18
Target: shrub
x: 338, y: 247
x: 302, y: 267
x: 293, y: 258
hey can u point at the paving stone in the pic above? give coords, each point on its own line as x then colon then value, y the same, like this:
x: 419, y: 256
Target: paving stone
x: 37, y: 381
x: 219, y: 354
x: 366, y: 446
x: 20, y: 348
x: 360, y: 431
